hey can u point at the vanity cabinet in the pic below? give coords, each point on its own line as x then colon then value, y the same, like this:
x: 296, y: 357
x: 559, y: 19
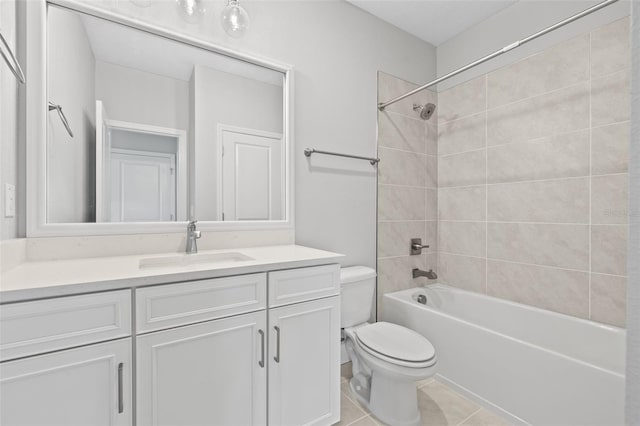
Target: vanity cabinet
x: 89, y: 385
x: 253, y: 349
x: 58, y: 367
x: 304, y: 362
x: 213, y: 373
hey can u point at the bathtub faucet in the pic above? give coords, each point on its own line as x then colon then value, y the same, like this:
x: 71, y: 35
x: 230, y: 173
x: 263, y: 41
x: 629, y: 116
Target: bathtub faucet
x: 420, y: 273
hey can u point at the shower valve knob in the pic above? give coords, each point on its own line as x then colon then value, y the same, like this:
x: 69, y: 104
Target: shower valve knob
x: 417, y: 246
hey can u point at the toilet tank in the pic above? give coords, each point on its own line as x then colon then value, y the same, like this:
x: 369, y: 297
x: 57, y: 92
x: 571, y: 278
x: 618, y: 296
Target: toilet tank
x: 357, y: 288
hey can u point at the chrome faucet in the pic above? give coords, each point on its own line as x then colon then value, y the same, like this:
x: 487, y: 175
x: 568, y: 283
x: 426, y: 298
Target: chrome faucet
x: 192, y: 236
x: 420, y: 273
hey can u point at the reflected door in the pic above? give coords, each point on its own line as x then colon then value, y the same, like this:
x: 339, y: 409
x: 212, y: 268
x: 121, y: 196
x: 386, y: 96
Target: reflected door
x: 142, y: 186
x: 252, y: 182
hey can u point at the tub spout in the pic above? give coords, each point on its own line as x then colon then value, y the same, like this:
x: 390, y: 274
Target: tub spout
x: 420, y: 273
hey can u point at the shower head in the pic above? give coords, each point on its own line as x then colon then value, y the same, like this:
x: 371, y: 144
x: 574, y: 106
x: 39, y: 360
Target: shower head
x: 426, y: 110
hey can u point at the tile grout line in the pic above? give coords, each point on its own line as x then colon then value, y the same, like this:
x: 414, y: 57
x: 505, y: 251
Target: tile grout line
x: 584, y: 271
x: 531, y: 180
x: 486, y: 187
x: 586, y: 81
x: 536, y: 140
x: 590, y: 172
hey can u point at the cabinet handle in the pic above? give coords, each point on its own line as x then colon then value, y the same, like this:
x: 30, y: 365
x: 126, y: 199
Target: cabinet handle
x: 277, y: 357
x: 120, y: 393
x: 261, y: 362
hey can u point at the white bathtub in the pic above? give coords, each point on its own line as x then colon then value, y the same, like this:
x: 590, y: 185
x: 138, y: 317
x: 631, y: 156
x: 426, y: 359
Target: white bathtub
x: 536, y: 366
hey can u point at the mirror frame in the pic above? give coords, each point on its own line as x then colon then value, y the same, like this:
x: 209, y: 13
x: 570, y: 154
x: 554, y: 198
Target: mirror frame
x: 36, y: 130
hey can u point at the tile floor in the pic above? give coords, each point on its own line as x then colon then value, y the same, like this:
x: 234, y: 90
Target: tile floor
x: 439, y: 406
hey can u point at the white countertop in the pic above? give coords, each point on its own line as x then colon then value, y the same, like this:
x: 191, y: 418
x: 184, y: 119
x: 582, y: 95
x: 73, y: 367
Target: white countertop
x: 35, y: 280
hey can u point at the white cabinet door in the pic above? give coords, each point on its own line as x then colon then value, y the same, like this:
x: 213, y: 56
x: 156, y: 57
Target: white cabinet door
x: 304, y: 363
x: 213, y: 373
x: 90, y: 385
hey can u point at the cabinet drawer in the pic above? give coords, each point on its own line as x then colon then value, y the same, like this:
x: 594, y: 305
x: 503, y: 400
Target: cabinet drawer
x: 187, y: 303
x: 297, y: 285
x: 31, y: 328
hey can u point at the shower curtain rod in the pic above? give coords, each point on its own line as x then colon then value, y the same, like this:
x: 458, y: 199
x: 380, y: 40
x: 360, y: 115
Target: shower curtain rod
x: 383, y: 105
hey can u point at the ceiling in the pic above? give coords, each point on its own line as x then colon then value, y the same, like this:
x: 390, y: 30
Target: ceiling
x: 434, y: 21
x: 128, y: 47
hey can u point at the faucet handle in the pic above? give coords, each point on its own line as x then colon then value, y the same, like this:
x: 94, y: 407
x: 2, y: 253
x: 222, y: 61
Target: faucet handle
x: 197, y: 234
x: 192, y: 222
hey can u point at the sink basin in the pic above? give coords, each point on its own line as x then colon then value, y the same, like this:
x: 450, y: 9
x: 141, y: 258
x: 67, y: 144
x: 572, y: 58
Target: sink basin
x: 182, y: 260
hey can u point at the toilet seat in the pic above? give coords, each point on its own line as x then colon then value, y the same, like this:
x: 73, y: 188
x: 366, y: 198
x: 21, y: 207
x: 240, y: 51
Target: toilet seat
x: 396, y: 344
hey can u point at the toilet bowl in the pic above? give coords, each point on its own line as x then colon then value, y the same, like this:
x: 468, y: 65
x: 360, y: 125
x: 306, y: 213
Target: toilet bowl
x: 387, y: 359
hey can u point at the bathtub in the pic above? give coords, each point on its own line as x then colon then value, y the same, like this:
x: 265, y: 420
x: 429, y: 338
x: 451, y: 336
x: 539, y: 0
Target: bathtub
x: 534, y: 366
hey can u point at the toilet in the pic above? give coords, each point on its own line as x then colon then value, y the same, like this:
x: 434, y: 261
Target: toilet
x: 387, y: 359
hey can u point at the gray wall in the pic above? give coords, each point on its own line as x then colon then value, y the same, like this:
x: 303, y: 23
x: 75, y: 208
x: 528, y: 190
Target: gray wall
x: 142, y: 97
x: 337, y: 51
x: 633, y: 286
x: 8, y: 122
x: 70, y: 161
x: 223, y: 98
x: 516, y: 22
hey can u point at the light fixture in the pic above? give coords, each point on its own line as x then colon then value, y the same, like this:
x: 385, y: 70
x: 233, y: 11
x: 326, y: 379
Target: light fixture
x: 191, y: 10
x: 235, y: 20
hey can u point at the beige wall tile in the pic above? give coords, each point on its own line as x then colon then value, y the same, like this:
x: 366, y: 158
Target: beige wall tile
x: 432, y: 171
x: 562, y: 111
x: 431, y: 237
x: 432, y: 133
x: 468, y: 273
x: 556, y: 201
x: 611, y: 48
x: 610, y: 99
x: 555, y: 289
x: 559, y: 66
x: 564, y: 246
x: 608, y: 299
x: 394, y: 237
x: 401, y: 168
x: 468, y: 238
x: 461, y: 135
x: 609, y: 199
x: 431, y: 196
x: 400, y: 203
x: 609, y: 249
x: 401, y: 132
x: 462, y: 203
x: 390, y: 87
x: 394, y: 274
x: 464, y: 169
x: 610, y: 149
x: 565, y: 155
x: 462, y: 100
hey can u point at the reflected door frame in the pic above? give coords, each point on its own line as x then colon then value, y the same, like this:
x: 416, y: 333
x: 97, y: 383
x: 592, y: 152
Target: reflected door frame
x: 181, y: 159
x: 222, y: 128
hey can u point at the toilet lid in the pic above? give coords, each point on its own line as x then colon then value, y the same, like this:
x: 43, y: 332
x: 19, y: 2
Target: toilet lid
x: 396, y: 342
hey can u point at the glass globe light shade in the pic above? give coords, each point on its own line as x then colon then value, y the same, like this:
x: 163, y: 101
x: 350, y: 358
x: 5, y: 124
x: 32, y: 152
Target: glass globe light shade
x: 191, y: 10
x: 235, y: 20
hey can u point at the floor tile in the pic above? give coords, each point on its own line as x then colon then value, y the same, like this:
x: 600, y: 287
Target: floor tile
x: 349, y: 411
x: 485, y: 418
x: 366, y: 421
x: 441, y: 406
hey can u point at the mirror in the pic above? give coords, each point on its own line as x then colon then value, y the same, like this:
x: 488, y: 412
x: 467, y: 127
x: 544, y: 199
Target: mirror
x: 144, y: 128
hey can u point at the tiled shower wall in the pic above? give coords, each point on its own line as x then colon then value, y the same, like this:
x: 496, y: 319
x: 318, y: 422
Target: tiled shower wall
x: 407, y: 193
x: 532, y: 180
